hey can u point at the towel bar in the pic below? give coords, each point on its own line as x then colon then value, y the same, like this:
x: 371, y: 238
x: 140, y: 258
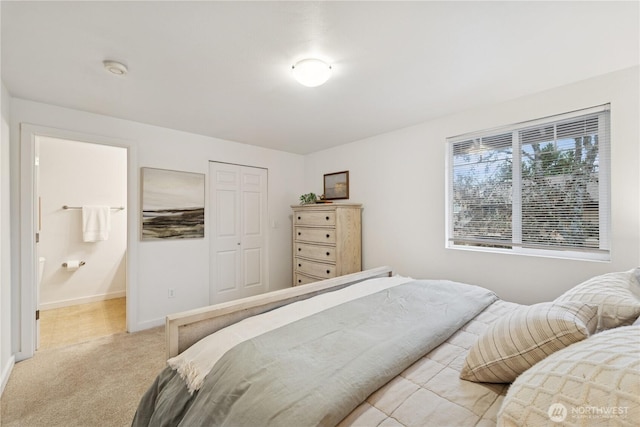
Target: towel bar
x: 118, y: 208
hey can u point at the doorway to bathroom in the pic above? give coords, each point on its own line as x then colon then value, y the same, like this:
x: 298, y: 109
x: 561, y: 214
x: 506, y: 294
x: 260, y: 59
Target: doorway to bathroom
x: 81, y: 196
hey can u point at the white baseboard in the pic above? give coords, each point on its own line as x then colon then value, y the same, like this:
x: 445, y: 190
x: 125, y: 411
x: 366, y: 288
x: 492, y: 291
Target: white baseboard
x: 6, y: 372
x: 84, y: 300
x: 147, y: 325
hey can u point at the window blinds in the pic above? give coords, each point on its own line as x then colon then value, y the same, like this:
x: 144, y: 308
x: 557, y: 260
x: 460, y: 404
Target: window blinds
x: 541, y: 185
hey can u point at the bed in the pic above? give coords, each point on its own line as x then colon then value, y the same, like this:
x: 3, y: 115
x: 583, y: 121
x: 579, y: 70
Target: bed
x: 374, y: 349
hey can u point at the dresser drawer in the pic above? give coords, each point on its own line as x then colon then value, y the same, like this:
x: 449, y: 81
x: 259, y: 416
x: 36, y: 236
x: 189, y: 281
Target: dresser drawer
x: 314, y: 218
x: 321, y: 253
x: 317, y: 269
x: 301, y: 279
x: 315, y: 235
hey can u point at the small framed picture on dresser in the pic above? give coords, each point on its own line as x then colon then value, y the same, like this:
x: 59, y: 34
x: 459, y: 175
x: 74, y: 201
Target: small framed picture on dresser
x: 336, y: 185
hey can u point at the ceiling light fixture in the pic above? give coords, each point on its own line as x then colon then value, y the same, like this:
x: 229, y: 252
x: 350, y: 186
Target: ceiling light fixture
x: 115, y: 67
x: 311, y: 72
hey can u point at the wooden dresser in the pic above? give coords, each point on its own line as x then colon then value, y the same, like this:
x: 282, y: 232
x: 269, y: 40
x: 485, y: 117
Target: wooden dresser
x: 327, y: 241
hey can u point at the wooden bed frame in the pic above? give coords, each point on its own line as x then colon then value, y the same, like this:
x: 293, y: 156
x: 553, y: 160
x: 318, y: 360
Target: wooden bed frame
x: 186, y: 328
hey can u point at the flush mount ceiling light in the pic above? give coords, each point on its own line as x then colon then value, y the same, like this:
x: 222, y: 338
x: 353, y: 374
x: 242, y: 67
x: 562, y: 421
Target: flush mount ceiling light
x: 311, y: 72
x: 115, y: 67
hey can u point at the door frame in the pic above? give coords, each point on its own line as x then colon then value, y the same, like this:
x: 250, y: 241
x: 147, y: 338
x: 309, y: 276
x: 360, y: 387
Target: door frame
x: 25, y: 321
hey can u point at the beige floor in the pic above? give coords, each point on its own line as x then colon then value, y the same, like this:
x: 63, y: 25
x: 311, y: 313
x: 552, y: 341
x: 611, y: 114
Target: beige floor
x: 70, y: 325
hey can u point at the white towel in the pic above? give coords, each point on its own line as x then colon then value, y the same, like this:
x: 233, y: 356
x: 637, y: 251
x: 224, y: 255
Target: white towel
x: 96, y: 223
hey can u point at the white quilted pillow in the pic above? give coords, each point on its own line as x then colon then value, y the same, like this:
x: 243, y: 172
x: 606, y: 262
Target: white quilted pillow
x: 525, y: 336
x: 617, y: 296
x: 592, y: 382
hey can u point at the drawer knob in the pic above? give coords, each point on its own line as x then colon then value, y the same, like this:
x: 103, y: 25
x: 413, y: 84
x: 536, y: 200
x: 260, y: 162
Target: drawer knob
x: 328, y: 253
x: 299, y: 280
x: 327, y: 218
x: 299, y: 233
x: 299, y: 218
x: 299, y: 265
x: 328, y: 271
x: 328, y: 236
x: 299, y: 249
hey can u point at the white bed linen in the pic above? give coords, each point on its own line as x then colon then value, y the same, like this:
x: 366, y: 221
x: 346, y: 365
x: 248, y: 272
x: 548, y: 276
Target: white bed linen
x: 196, y: 362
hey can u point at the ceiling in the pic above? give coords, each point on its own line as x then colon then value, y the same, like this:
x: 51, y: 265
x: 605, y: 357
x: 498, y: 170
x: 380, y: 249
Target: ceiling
x: 223, y: 69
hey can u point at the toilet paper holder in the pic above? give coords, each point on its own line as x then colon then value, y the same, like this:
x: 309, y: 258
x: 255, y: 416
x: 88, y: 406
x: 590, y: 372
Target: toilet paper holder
x: 64, y: 264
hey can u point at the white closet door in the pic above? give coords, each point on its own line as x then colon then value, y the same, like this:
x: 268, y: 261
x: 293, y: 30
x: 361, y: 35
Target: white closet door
x: 254, y: 230
x: 238, y: 213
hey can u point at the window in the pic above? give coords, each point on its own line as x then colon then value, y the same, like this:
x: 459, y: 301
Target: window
x: 539, y: 188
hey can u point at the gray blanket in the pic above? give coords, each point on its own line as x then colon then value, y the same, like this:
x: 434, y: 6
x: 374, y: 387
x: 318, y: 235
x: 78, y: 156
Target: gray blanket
x: 316, y: 370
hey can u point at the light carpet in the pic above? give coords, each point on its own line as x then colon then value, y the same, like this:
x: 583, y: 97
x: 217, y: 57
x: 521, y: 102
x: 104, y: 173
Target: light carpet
x: 95, y: 383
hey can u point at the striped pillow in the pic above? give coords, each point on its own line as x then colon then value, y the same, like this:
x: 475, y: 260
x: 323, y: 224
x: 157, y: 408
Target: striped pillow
x: 524, y: 337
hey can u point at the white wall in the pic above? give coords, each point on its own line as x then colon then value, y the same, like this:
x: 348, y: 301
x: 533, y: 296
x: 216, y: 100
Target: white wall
x: 6, y: 353
x: 400, y: 179
x: 179, y: 264
x: 76, y: 173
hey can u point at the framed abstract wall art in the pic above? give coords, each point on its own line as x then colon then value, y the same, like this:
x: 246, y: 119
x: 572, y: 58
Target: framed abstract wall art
x: 172, y: 204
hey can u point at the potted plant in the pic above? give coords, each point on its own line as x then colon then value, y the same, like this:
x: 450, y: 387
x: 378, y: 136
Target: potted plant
x: 307, y: 199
